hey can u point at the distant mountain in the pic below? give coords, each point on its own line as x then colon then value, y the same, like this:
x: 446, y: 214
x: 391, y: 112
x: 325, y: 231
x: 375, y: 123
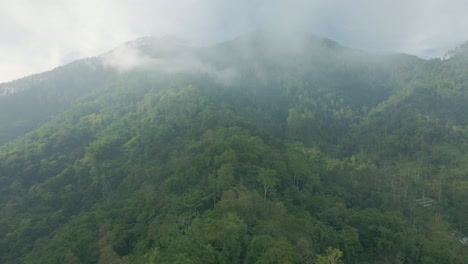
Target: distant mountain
x: 268, y: 148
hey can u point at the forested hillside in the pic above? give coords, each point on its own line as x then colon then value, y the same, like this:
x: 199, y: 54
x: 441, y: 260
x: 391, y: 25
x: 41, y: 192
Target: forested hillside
x: 264, y: 149
x: 34, y: 100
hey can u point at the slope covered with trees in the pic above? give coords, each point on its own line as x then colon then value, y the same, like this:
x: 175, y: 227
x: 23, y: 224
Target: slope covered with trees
x: 264, y: 149
x: 35, y: 99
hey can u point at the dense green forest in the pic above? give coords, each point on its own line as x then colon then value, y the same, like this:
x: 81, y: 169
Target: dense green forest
x: 264, y: 149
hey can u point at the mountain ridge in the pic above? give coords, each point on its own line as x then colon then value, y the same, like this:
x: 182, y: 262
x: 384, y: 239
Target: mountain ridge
x: 150, y: 40
x: 298, y: 155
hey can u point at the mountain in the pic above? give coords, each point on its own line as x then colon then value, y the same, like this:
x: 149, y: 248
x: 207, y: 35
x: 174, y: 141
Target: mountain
x: 31, y: 101
x: 268, y: 148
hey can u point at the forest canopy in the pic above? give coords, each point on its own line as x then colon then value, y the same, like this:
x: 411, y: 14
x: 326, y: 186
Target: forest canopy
x: 255, y: 150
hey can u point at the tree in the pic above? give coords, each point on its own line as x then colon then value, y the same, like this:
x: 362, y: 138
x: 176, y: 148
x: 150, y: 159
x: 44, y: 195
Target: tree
x: 332, y: 256
x: 267, y: 178
x: 108, y: 256
x: 267, y: 249
x: 222, y: 180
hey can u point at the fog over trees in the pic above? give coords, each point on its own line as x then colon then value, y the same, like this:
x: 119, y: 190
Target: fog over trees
x: 268, y: 148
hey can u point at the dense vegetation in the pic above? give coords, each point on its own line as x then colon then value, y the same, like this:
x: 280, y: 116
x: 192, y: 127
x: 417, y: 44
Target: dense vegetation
x: 308, y: 152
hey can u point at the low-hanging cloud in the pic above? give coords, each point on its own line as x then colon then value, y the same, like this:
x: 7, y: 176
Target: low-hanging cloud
x: 129, y: 57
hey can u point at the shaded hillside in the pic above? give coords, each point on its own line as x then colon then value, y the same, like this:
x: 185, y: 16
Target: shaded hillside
x: 35, y: 99
x: 31, y: 101
x: 266, y: 148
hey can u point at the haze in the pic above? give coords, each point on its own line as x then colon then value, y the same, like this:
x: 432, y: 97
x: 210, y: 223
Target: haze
x: 40, y: 35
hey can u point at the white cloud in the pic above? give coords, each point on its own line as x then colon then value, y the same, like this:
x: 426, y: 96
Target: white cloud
x: 45, y: 34
x: 126, y: 58
x: 130, y: 57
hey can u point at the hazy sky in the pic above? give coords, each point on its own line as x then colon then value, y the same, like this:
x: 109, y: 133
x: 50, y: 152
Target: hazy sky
x: 39, y: 35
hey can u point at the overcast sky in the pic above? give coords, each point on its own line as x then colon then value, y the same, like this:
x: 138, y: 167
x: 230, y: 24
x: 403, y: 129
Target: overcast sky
x: 36, y: 36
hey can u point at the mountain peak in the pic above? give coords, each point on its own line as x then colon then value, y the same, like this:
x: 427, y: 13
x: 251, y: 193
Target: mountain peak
x: 165, y: 40
x: 287, y: 38
x: 153, y: 46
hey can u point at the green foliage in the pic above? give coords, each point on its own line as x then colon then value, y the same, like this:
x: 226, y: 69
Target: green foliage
x: 332, y: 256
x: 315, y: 155
x: 266, y: 249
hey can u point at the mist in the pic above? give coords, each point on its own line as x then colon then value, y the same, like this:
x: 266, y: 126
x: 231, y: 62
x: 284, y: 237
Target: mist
x: 165, y: 55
